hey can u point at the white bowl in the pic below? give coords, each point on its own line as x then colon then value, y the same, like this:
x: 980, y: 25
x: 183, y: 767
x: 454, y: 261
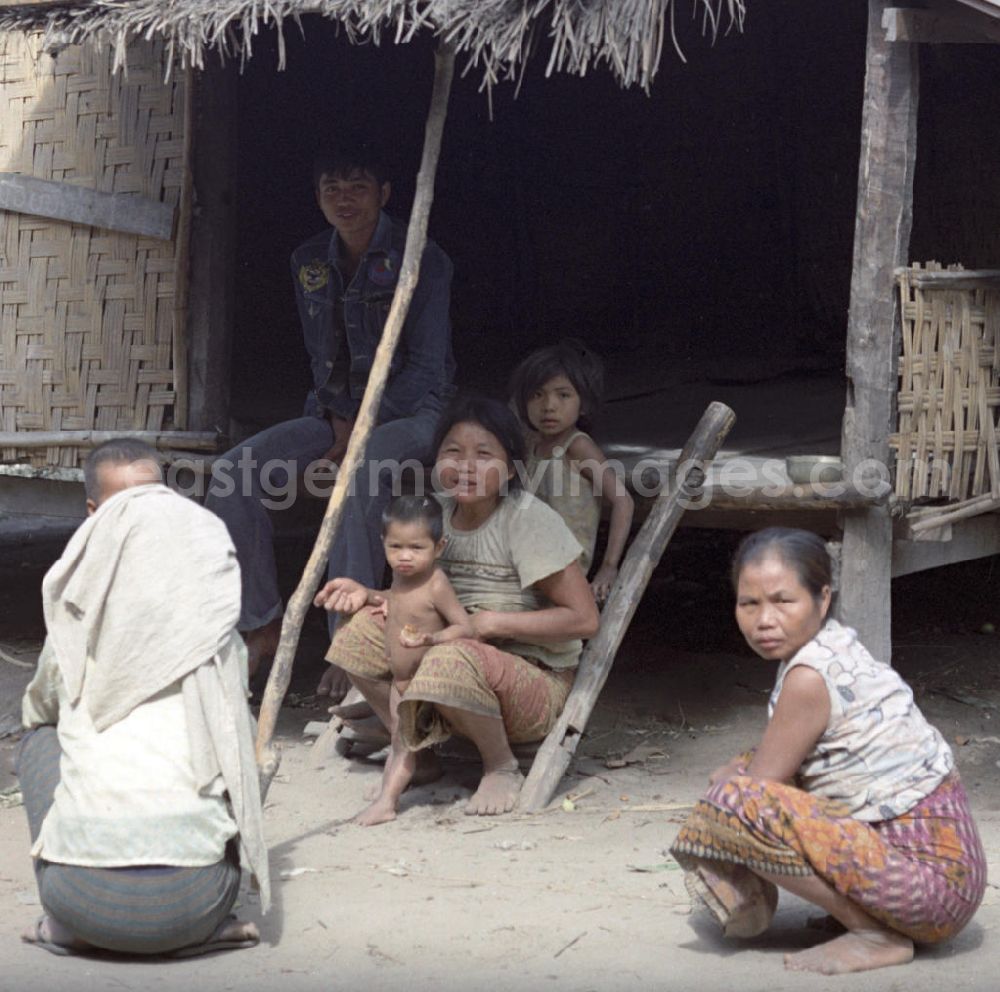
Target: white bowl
x: 806, y: 469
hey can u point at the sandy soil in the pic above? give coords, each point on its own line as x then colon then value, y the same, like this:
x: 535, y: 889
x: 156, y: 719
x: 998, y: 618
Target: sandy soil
x: 581, y: 899
x: 575, y: 899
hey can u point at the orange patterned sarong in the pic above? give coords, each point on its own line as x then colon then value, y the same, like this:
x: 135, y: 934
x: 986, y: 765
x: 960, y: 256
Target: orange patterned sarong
x: 922, y: 873
x: 465, y: 674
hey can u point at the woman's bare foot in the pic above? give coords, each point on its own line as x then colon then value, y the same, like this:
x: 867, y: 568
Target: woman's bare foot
x: 859, y: 950
x: 380, y: 811
x: 334, y: 684
x: 497, y: 793
x: 47, y: 931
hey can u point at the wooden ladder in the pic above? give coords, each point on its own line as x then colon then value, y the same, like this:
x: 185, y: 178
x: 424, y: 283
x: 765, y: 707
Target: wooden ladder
x: 643, y: 556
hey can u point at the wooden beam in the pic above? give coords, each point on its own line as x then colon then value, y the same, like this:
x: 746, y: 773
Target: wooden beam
x: 211, y: 302
x: 184, y: 440
x: 643, y: 556
x: 126, y: 212
x: 970, y: 539
x: 961, y: 280
x: 991, y: 8
x: 939, y: 27
x: 881, y: 243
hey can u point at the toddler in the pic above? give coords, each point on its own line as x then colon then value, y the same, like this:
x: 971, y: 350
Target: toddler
x: 556, y: 391
x: 421, y: 610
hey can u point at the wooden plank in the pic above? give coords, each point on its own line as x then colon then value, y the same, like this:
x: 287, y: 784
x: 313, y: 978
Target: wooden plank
x: 989, y: 7
x: 642, y: 557
x: 938, y: 27
x: 211, y: 307
x: 182, y: 254
x: 881, y: 243
x: 962, y: 280
x: 184, y: 440
x: 126, y: 212
x: 970, y: 539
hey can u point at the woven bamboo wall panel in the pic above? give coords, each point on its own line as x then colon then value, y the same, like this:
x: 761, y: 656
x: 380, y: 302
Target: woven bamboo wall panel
x: 89, y: 317
x: 949, y: 391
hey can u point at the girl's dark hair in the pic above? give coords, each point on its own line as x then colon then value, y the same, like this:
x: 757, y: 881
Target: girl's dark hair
x: 571, y: 358
x: 407, y: 509
x: 801, y: 550
x: 491, y: 415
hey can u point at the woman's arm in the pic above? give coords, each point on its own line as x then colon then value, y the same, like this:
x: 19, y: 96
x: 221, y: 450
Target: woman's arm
x: 799, y: 720
x: 346, y: 596
x: 593, y: 466
x: 573, y: 613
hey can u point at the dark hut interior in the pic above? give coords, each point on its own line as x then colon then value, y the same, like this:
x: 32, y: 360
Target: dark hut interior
x: 698, y: 237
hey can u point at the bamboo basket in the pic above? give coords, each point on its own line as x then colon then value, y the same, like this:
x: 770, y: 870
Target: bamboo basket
x: 91, y: 320
x: 949, y: 387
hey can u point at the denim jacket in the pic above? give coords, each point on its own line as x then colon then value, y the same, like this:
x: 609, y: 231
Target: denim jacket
x: 422, y: 368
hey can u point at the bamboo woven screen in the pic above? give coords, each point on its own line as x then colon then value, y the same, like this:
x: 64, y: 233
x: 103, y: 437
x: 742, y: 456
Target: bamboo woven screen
x: 91, y: 320
x: 949, y: 390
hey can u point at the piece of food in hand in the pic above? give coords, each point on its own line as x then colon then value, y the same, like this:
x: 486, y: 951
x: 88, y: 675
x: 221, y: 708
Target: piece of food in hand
x: 411, y: 637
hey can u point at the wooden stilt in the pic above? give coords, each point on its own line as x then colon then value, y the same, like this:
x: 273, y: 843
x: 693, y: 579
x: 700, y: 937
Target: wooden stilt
x: 881, y: 243
x: 554, y: 755
x: 416, y: 237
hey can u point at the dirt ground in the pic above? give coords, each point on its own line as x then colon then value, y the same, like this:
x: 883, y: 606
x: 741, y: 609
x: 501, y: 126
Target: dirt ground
x: 571, y: 899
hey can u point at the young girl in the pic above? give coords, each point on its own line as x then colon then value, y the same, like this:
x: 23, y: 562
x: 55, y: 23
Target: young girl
x: 557, y: 390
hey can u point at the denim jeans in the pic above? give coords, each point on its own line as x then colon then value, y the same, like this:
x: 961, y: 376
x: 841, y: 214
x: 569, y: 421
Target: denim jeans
x: 264, y: 465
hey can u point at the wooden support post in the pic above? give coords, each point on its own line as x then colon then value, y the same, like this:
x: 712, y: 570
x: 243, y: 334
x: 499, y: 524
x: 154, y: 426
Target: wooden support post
x: 643, y: 556
x: 211, y: 296
x: 881, y: 243
x: 416, y: 238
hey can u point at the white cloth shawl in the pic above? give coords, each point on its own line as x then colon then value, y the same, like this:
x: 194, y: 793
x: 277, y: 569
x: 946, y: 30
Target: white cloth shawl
x: 146, y: 594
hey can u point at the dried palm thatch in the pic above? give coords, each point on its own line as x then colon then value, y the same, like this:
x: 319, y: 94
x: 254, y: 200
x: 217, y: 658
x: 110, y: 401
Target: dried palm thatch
x: 496, y: 35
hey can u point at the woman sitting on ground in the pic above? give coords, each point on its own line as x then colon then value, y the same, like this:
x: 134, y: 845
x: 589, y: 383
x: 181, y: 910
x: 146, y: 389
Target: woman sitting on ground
x: 851, y: 800
x: 514, y: 565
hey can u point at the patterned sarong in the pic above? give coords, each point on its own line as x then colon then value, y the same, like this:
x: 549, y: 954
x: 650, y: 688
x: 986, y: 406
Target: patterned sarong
x: 922, y: 873
x: 465, y: 674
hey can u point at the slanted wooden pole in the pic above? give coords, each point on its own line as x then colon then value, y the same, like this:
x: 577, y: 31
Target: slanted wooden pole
x: 881, y: 244
x: 643, y: 556
x: 416, y: 238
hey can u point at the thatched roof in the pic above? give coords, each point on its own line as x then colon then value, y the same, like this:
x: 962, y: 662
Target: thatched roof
x: 495, y: 35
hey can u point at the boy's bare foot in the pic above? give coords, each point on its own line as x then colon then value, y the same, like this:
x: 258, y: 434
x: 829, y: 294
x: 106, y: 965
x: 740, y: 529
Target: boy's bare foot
x: 380, y: 811
x: 334, y: 684
x: 428, y: 770
x: 497, y: 793
x: 859, y: 950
